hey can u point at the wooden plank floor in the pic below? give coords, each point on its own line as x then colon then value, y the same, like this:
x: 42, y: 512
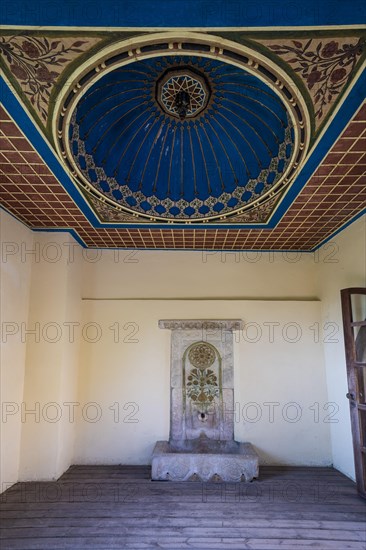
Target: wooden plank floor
x: 119, y: 507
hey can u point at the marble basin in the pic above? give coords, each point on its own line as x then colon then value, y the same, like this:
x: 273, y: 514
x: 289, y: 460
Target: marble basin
x: 204, y: 460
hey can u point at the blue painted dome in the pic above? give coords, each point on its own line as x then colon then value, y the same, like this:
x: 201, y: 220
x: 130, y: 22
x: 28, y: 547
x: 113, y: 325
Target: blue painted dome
x: 181, y: 137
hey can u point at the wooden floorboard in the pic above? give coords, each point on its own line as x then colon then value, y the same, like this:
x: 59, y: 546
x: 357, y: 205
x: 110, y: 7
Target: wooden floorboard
x: 107, y: 507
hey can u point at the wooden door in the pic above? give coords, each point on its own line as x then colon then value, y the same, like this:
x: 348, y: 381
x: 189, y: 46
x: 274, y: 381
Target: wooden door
x: 354, y: 326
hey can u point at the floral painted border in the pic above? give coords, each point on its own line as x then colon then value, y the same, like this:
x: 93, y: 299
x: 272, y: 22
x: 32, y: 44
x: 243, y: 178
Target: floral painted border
x: 109, y: 214
x: 258, y: 214
x: 325, y: 66
x: 37, y: 62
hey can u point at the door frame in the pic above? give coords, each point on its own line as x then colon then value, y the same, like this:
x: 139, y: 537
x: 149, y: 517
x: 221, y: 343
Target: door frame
x: 356, y: 377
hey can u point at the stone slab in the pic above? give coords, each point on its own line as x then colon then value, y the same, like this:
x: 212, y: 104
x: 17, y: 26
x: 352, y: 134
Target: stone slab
x: 227, y: 461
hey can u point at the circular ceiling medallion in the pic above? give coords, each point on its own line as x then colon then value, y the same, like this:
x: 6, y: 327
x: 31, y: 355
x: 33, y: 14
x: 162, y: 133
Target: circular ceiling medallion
x: 182, y: 93
x: 182, y: 132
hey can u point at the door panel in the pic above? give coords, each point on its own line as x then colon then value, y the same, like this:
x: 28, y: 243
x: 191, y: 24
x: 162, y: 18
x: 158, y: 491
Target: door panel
x: 354, y: 326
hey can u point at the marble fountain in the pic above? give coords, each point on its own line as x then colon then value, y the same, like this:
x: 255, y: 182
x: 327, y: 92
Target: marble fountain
x: 201, y: 444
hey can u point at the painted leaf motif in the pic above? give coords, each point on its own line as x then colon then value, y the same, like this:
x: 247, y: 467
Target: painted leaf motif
x: 37, y: 62
x: 325, y: 65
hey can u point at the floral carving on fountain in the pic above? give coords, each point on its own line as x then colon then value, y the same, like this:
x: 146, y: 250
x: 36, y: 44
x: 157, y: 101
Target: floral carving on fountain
x: 202, y: 385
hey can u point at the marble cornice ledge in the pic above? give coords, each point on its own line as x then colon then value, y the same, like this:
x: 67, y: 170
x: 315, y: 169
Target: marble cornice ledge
x: 208, y: 324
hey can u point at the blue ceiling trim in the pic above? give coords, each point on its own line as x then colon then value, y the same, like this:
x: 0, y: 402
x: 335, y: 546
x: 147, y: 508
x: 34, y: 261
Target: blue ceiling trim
x: 176, y: 13
x: 31, y: 131
x: 72, y: 232
x: 352, y: 103
x: 345, y: 113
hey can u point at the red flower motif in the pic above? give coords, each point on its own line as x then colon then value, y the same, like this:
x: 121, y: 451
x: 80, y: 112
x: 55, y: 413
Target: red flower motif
x: 338, y: 75
x: 30, y: 49
x: 313, y: 77
x: 330, y: 49
x: 45, y: 75
x: 19, y: 72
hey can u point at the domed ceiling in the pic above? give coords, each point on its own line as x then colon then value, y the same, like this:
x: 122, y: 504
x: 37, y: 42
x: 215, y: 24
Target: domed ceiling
x: 182, y: 137
x: 202, y: 138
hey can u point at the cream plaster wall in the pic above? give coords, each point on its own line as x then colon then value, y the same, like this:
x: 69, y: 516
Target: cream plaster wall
x: 347, y: 269
x: 15, y: 292
x: 277, y: 361
x: 200, y: 275
x: 52, y: 360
